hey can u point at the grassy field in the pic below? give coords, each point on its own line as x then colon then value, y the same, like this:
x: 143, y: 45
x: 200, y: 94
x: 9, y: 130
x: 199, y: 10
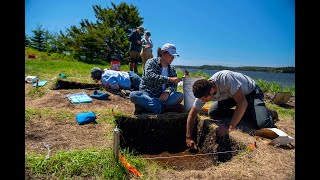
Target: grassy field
x: 97, y: 162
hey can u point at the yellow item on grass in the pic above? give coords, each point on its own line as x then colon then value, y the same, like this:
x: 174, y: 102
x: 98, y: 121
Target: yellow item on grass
x: 206, y: 107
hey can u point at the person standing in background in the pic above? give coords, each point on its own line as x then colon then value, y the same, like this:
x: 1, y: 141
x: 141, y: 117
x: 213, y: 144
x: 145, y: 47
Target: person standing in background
x: 146, y: 49
x: 135, y: 48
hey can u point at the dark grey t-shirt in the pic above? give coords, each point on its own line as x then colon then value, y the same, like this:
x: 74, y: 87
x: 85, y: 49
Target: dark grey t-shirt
x: 227, y: 83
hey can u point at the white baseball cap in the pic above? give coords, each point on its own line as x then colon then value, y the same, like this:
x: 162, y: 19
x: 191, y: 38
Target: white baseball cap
x: 170, y: 48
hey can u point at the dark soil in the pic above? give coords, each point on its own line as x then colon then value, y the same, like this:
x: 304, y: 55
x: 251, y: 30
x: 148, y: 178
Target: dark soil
x: 43, y: 132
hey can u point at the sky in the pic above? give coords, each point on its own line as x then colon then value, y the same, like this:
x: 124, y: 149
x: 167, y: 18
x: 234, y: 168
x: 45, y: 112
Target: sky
x: 229, y: 33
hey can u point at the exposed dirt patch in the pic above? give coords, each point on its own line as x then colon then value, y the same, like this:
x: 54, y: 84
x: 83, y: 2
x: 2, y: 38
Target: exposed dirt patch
x: 41, y: 132
x: 68, y: 134
x: 65, y: 135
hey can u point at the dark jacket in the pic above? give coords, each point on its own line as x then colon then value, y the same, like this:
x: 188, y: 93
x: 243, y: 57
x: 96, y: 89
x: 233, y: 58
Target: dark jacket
x: 133, y: 38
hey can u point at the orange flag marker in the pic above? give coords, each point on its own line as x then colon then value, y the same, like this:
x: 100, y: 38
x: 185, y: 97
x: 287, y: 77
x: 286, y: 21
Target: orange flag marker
x: 125, y: 163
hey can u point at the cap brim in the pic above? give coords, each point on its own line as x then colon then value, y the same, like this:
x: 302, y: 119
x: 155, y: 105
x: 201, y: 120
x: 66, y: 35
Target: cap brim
x: 175, y: 54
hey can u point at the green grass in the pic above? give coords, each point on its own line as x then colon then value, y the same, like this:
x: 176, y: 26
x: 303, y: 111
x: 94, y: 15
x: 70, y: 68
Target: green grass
x: 273, y: 87
x: 36, y: 92
x: 97, y: 163
x: 56, y: 114
x: 282, y: 112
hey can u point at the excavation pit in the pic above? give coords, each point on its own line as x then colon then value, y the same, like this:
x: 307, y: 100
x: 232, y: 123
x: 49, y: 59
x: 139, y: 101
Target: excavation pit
x: 161, y: 138
x: 65, y: 84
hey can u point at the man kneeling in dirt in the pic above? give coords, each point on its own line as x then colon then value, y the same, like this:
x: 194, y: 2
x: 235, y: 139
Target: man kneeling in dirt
x: 158, y: 88
x: 229, y: 89
x: 116, y: 79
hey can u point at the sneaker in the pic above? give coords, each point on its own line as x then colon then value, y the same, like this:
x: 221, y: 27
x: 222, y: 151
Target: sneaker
x: 174, y: 108
x: 274, y: 115
x: 138, y: 110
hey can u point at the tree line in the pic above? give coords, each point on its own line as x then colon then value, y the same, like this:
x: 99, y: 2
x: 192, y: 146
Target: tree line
x: 105, y: 39
x: 242, y: 68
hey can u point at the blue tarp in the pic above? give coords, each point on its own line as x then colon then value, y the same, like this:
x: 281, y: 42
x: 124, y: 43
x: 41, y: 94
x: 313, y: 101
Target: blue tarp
x: 78, y: 98
x: 40, y: 83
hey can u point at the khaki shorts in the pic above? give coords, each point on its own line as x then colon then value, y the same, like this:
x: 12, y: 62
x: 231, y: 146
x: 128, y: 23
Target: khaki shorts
x: 145, y: 56
x: 134, y: 56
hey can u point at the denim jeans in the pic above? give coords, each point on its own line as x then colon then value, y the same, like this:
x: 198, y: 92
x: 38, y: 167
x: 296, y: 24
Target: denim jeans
x: 153, y: 104
x: 256, y: 110
x: 135, y: 80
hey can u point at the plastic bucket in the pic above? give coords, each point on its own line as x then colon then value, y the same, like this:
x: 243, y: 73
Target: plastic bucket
x: 187, y: 92
x: 115, y: 65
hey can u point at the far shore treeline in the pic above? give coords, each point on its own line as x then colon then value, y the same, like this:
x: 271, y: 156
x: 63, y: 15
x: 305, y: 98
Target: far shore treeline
x: 242, y: 68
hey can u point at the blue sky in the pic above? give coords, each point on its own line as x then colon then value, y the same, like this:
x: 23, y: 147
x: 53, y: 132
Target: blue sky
x: 206, y: 32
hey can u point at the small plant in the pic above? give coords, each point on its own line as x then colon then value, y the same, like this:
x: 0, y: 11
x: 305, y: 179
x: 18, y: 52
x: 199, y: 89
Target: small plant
x: 36, y: 92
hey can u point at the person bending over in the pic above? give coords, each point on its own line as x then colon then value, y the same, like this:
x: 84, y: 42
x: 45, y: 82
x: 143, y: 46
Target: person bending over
x: 229, y: 89
x: 116, y: 79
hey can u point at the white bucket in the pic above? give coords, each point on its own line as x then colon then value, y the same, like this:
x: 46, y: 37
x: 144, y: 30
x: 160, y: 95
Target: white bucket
x: 187, y: 92
x: 31, y: 79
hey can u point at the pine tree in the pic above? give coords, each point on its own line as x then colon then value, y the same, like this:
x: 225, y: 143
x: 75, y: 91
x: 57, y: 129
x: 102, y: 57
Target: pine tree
x: 40, y: 39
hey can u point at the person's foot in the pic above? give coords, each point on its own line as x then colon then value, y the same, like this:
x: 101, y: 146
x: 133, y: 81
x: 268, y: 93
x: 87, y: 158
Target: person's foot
x: 138, y: 110
x: 174, y: 108
x: 274, y: 115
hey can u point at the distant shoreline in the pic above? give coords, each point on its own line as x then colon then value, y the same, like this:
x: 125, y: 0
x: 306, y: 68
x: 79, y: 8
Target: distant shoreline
x: 288, y: 69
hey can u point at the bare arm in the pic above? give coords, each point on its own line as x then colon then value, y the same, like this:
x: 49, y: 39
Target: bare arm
x: 241, y: 106
x: 189, y: 128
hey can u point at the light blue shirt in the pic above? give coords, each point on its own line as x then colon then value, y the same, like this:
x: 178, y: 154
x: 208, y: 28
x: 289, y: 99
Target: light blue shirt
x: 144, y: 41
x: 116, y: 79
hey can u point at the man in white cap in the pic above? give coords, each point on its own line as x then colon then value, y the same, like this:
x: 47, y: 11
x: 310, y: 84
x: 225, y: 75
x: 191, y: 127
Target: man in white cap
x: 158, y: 87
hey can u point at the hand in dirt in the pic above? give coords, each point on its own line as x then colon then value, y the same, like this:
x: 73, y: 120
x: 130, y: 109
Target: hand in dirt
x: 191, y: 144
x: 222, y: 130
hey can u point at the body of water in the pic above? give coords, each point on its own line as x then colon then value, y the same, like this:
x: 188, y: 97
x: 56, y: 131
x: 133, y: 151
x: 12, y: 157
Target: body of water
x: 284, y: 79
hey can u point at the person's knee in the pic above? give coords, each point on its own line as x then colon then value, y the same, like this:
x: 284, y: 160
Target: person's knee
x: 133, y: 96
x: 213, y: 109
x: 180, y: 97
x: 213, y: 114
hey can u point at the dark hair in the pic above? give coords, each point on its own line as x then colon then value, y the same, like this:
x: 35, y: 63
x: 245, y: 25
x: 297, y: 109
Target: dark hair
x: 96, y: 73
x: 159, y: 52
x: 201, y: 88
